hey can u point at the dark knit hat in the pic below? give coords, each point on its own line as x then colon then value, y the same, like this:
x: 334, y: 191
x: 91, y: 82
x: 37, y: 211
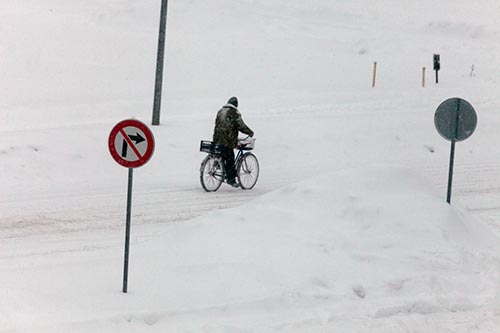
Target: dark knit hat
x: 233, y: 101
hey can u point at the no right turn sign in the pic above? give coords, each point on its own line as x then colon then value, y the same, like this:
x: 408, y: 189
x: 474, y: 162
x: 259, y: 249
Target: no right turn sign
x: 131, y: 143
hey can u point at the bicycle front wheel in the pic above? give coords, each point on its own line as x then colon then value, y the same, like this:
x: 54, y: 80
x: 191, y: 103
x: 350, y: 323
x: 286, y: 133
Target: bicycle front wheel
x: 211, y: 173
x: 248, y: 171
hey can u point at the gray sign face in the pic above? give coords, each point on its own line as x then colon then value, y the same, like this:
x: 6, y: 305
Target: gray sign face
x: 455, y: 119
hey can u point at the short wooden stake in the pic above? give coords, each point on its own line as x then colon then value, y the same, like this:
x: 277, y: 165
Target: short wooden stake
x: 423, y: 77
x: 374, y: 73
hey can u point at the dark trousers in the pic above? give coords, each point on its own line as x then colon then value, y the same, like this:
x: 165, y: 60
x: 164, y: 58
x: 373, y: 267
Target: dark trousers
x: 228, y: 157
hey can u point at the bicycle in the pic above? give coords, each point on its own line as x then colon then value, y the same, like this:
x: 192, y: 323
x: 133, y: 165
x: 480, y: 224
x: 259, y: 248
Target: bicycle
x: 212, y: 173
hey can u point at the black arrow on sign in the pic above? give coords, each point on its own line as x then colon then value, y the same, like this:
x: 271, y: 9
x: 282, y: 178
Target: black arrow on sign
x: 136, y: 138
x: 124, y: 148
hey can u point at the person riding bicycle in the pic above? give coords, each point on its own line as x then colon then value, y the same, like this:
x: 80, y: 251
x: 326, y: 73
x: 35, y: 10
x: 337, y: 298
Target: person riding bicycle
x: 228, y: 124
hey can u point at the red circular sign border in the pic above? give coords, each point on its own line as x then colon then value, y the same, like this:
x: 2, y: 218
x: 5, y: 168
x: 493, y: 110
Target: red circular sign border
x: 149, y: 139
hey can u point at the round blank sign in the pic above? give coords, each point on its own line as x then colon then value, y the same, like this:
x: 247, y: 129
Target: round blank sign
x: 455, y: 119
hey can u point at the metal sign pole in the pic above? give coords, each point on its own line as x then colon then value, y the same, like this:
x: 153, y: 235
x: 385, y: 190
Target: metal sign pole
x: 159, y: 63
x: 131, y: 144
x: 450, y: 172
x: 127, y: 230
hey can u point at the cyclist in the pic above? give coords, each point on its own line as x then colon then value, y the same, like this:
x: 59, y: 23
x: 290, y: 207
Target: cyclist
x: 227, y: 125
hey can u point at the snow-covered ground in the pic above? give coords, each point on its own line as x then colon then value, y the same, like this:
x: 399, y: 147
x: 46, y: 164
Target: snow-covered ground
x: 347, y: 229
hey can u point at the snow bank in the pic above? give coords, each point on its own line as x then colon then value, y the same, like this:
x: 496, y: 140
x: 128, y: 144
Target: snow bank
x: 347, y: 250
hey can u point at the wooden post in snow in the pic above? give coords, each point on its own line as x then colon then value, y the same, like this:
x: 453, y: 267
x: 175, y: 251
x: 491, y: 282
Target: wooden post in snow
x: 423, y: 77
x: 374, y: 73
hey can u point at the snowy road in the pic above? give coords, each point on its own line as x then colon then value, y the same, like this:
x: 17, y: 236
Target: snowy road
x: 325, y: 138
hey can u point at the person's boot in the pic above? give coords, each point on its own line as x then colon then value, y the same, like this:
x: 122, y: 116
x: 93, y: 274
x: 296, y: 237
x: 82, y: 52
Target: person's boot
x: 233, y: 183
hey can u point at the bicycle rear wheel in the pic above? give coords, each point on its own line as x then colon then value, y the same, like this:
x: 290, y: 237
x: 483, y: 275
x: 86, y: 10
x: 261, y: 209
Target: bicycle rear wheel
x: 211, y: 173
x: 248, y: 171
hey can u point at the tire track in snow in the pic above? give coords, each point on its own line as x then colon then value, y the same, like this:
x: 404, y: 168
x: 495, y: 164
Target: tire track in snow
x: 108, y: 211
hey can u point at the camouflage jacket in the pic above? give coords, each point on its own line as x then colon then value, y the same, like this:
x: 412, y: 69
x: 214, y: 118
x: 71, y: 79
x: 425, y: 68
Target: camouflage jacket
x: 227, y: 125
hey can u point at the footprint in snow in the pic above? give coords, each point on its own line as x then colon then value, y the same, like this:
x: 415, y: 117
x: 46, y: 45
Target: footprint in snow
x: 359, y: 290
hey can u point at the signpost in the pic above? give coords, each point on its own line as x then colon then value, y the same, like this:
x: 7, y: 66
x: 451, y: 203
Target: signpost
x: 437, y: 65
x: 131, y: 144
x: 455, y: 120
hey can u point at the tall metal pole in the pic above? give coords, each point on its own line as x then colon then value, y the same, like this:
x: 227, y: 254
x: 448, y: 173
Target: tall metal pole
x: 127, y: 230
x: 159, y: 63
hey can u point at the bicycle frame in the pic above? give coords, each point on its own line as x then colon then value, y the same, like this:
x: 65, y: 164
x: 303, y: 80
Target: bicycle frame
x: 237, y: 158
